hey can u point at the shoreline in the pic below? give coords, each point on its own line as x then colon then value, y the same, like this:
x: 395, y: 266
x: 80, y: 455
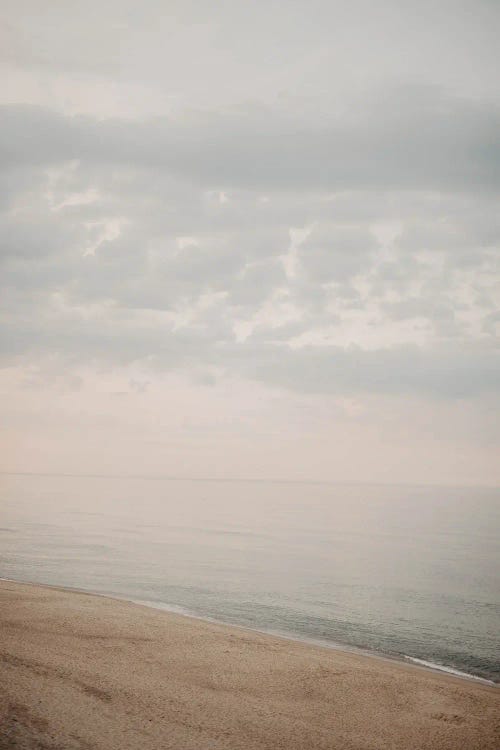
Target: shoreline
x: 406, y: 660
x: 84, y: 671
x: 411, y: 661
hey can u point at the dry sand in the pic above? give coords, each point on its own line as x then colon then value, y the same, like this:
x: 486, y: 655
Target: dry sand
x: 82, y: 671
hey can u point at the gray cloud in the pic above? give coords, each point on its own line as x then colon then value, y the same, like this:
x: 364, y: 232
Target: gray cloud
x: 449, y: 372
x: 325, y: 242
x: 413, y: 138
x: 142, y: 296
x: 336, y: 253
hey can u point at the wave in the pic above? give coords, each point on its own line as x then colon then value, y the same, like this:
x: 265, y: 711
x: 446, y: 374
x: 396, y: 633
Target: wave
x: 448, y: 670
x: 174, y: 608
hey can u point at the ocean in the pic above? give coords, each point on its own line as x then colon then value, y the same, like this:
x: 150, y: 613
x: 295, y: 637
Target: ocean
x: 409, y: 572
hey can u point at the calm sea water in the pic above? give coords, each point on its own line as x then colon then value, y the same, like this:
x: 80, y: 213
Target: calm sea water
x: 406, y: 571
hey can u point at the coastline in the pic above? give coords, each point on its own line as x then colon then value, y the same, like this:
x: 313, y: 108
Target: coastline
x: 81, y: 670
x: 407, y: 660
x: 411, y: 661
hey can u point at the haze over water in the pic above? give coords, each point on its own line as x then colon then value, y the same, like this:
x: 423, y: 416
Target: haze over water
x: 407, y: 571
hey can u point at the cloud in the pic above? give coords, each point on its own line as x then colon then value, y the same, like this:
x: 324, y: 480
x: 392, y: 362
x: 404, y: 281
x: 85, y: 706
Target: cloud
x: 413, y: 138
x: 294, y: 247
x: 320, y: 244
x: 336, y: 253
x: 109, y: 257
x: 448, y: 372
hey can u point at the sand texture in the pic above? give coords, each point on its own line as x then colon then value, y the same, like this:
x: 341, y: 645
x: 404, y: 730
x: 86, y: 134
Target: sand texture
x: 81, y: 671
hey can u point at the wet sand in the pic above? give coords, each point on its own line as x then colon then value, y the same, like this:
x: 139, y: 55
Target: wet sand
x: 81, y: 672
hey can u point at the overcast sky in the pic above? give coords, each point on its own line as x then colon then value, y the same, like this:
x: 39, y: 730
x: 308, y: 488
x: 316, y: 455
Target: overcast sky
x: 251, y: 239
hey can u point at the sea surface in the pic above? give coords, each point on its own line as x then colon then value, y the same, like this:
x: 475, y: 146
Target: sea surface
x: 411, y: 572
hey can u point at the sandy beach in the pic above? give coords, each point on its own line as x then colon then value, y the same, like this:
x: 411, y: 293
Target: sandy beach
x: 82, y: 671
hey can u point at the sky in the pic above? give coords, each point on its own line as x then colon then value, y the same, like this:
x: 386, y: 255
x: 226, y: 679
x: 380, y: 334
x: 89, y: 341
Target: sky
x: 251, y: 240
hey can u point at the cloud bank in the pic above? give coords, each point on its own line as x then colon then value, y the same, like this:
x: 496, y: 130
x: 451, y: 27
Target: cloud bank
x: 337, y: 239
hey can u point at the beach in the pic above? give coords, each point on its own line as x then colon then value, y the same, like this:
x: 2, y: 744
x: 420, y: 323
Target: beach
x: 80, y: 671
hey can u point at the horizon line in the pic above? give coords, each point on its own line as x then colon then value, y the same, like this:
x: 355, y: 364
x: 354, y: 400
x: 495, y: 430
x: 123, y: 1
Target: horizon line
x: 243, y: 480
